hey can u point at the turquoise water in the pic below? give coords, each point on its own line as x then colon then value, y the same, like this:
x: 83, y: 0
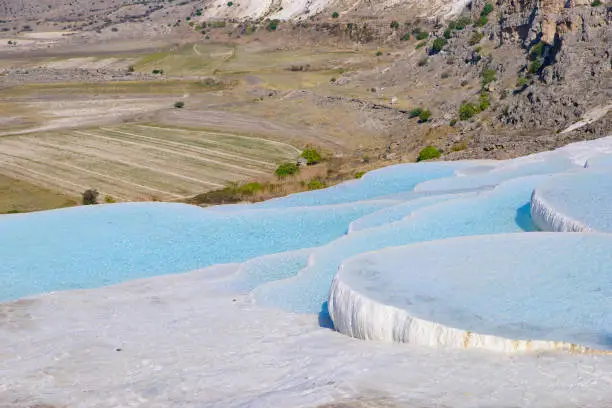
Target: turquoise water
x: 502, y: 210
x: 93, y: 246
x: 290, y: 248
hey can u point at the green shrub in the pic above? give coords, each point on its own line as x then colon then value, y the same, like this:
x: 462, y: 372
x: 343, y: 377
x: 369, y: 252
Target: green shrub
x: 315, y: 184
x: 467, y: 110
x: 250, y: 188
x: 359, y: 174
x: 484, y: 101
x: 312, y: 156
x: 488, y: 8
x: 273, y: 25
x: 424, y: 116
x: 187, y: 18
x: 179, y: 104
x: 109, y: 200
x: 157, y: 72
x: 428, y: 153
x: 394, y: 25
x: 537, y: 51
x: 379, y: 53
x: 131, y: 68
x: 405, y: 37
x: 521, y: 82
x: 488, y: 76
x: 482, y: 21
x: 13, y: 212
x: 452, y: 122
x: 335, y: 14
x: 413, y: 113
x: 438, y: 44
x: 447, y: 33
x: 230, y: 3
x: 421, y: 45
x: 286, y: 169
x: 535, y: 66
x: 421, y: 35
x: 596, y: 3
x: 90, y: 196
x: 476, y: 37
x: 460, y: 23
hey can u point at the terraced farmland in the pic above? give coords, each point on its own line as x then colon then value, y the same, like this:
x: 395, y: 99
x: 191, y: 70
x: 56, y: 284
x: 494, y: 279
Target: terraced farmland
x: 139, y: 162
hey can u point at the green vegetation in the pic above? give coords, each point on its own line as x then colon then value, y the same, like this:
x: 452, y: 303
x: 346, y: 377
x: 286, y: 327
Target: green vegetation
x: 157, y: 72
x: 311, y: 155
x: 379, y: 53
x: 488, y: 76
x: 460, y: 23
x: 413, y: 113
x: 452, y: 122
x: 467, y: 110
x: 131, y: 68
x: 188, y: 18
x: 90, y: 196
x: 422, y: 35
x: 109, y: 200
x: 424, y: 116
x: 335, y: 14
x: 596, y: 3
x: 488, y: 8
x: 521, y: 82
x: 535, y: 66
x: 447, y: 33
x: 405, y: 37
x: 230, y: 3
x: 482, y: 21
x: 359, y: 174
x: 537, y: 51
x: 394, y: 25
x: 249, y: 189
x: 484, y: 101
x: 421, y: 45
x: 286, y: 169
x: 273, y: 25
x: 476, y: 37
x: 428, y: 153
x: 438, y: 44
x: 179, y: 104
x: 315, y: 184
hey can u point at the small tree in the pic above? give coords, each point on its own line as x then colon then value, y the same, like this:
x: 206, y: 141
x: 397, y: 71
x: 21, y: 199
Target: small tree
x: 424, y: 116
x: 286, y: 169
x: 428, y: 153
x: 335, y: 14
x: 311, y: 155
x: 394, y: 25
x: 90, y: 196
x: 467, y: 110
x: 438, y: 44
x: 315, y: 184
x: 405, y: 37
x: 179, y: 104
x: 488, y: 8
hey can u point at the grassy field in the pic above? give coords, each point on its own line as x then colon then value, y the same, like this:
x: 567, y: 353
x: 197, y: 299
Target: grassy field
x: 138, y: 162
